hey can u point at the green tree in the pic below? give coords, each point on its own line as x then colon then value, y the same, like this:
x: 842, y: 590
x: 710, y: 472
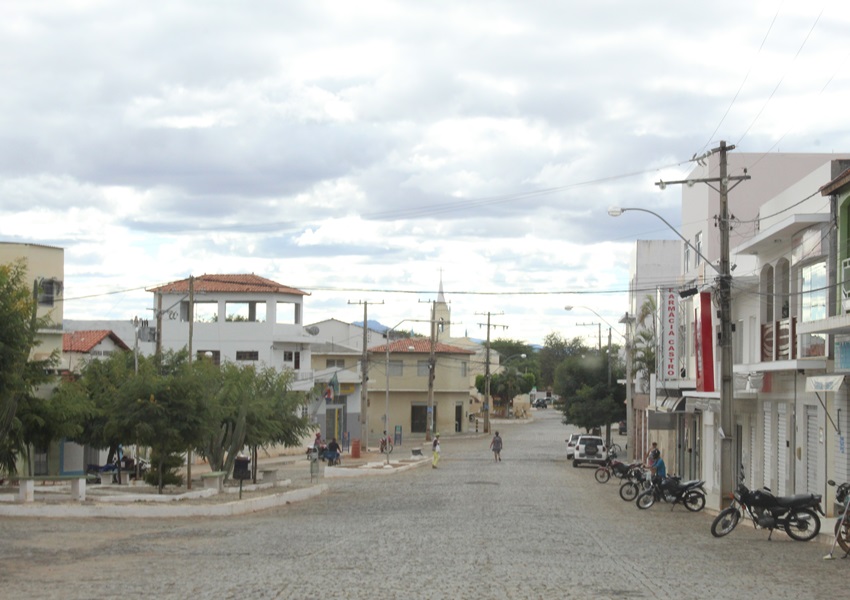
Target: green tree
x: 582, y: 380
x: 19, y: 376
x: 251, y: 407
x: 167, y: 413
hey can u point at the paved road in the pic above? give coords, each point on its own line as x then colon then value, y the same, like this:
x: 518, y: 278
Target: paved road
x: 529, y: 527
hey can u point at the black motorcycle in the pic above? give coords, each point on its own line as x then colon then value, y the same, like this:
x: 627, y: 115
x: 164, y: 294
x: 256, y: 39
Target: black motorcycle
x: 795, y: 514
x: 674, y: 491
x: 636, y: 481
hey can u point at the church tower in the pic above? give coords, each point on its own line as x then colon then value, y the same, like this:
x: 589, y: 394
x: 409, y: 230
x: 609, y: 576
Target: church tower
x: 442, y: 311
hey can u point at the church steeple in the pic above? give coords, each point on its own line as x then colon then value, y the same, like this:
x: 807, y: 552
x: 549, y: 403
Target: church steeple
x: 442, y: 311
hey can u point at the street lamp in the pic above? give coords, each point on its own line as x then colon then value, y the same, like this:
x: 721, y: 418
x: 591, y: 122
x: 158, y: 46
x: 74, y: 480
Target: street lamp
x: 724, y: 297
x: 616, y: 211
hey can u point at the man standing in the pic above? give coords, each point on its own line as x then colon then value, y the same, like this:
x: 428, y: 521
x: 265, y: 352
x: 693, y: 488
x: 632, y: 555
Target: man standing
x: 435, y: 447
x: 496, y: 447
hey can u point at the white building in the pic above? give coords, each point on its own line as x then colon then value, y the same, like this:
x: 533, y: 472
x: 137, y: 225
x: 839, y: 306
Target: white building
x: 778, y: 254
x: 239, y: 318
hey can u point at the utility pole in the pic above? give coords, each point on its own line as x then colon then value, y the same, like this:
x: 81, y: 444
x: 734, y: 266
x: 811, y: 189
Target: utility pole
x: 487, y: 370
x: 727, y: 469
x: 364, y: 374
x: 191, y: 334
x: 724, y: 298
x: 432, y: 367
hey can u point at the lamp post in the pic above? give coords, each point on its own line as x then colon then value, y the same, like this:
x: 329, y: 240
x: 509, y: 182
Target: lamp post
x: 724, y: 293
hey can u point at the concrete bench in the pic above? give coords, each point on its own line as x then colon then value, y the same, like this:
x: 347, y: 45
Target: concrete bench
x: 269, y: 475
x: 26, y: 485
x: 214, y: 480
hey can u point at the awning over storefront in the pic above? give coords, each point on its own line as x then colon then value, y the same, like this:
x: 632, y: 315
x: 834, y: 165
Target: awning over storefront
x: 701, y: 401
x: 670, y: 404
x: 824, y: 383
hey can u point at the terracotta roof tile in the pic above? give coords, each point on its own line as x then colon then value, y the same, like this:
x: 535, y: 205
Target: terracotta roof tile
x: 85, y: 341
x: 233, y: 283
x: 420, y: 345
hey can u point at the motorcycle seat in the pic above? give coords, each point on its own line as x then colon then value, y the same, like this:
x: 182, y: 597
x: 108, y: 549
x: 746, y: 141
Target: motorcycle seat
x: 797, y: 500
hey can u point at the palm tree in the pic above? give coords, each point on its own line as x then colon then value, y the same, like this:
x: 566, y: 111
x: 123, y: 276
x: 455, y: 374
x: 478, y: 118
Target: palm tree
x: 646, y: 341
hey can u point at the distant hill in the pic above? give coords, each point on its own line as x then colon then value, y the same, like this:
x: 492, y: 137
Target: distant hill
x: 373, y: 325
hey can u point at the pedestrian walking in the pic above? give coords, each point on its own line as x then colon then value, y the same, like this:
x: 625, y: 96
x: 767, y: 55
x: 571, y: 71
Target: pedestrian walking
x: 435, y: 447
x: 496, y: 447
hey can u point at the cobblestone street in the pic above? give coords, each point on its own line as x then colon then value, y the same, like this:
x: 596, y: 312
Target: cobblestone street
x: 531, y: 526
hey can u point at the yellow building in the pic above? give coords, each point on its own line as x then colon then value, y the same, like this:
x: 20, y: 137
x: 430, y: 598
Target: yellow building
x: 403, y: 368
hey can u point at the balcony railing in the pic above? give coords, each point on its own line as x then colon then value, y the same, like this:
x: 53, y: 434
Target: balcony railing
x: 779, y: 340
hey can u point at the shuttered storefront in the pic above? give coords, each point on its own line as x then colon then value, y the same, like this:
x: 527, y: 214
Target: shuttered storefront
x: 782, y: 450
x: 768, y: 444
x: 811, y: 449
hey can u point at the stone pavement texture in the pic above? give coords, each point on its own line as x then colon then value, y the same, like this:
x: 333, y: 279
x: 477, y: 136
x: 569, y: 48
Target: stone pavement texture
x: 530, y: 526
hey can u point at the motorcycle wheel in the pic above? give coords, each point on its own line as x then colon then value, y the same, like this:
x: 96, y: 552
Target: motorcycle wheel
x: 694, y: 501
x: 602, y: 475
x: 629, y: 491
x: 802, y: 525
x: 842, y: 533
x: 725, y: 522
x: 645, y: 500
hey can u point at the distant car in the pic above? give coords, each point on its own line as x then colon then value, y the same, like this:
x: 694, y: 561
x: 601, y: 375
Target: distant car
x: 590, y: 449
x: 540, y: 403
x: 571, y: 445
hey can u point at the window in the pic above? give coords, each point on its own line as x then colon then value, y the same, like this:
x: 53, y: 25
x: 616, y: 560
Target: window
x: 40, y: 464
x: 396, y: 368
x: 422, y: 369
x: 698, y: 246
x: 48, y: 290
x: 335, y: 363
x: 463, y: 372
x: 813, y: 307
x: 288, y: 356
x: 205, y: 312
x: 251, y: 312
x: 247, y: 355
x: 288, y: 312
x: 213, y: 355
x: 687, y: 257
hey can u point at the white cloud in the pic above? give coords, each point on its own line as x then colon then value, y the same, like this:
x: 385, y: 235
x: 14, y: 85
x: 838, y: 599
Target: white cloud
x: 352, y: 146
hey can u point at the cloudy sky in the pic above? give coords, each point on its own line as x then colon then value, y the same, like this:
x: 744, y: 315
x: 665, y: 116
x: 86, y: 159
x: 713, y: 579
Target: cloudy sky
x: 360, y: 150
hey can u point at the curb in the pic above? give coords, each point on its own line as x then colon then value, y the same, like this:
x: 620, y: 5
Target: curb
x: 143, y: 511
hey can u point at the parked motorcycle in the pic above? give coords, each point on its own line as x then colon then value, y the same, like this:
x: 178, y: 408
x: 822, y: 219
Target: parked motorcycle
x: 614, y: 467
x: 842, y: 523
x: 795, y: 514
x: 674, y: 491
x: 637, y: 480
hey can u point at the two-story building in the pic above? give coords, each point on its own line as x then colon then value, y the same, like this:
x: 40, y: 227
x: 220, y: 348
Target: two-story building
x: 398, y: 387
x: 243, y: 318
x: 45, y: 271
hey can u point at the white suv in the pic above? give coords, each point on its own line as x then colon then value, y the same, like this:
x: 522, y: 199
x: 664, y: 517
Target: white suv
x: 590, y: 449
x: 571, y: 445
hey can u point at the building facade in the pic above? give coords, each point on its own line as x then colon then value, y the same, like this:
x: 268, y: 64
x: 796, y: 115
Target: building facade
x: 246, y: 319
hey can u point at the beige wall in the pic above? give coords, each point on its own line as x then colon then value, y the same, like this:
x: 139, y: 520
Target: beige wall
x: 43, y: 262
x: 451, y: 387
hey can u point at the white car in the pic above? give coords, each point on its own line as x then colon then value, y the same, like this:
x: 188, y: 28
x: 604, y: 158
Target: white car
x: 571, y: 445
x: 590, y: 449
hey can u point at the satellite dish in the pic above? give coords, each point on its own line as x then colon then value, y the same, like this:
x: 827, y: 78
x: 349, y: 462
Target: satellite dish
x: 312, y: 330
